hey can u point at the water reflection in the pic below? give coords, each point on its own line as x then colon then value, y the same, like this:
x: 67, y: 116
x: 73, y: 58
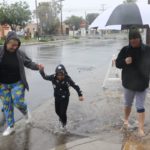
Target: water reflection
x: 19, y: 141
x: 134, y: 142
x: 61, y: 140
x: 27, y: 138
x: 132, y: 145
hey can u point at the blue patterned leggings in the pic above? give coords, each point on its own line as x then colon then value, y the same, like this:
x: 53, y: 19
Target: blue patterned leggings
x: 12, y: 95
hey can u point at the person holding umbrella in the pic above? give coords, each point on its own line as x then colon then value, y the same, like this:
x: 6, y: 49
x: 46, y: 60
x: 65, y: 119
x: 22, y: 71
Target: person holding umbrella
x: 135, y: 64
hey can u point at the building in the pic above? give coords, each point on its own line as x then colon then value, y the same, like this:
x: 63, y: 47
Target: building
x: 31, y: 28
x: 65, y: 29
x: 4, y: 29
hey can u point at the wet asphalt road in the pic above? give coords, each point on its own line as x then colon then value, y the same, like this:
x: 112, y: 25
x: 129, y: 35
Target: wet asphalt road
x: 87, y: 63
x: 80, y: 59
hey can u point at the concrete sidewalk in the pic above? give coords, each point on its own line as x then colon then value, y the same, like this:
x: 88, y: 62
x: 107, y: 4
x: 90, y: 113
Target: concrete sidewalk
x: 92, y: 143
x: 39, y: 135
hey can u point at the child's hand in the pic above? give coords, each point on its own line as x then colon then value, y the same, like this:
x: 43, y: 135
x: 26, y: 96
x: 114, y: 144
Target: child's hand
x: 41, y: 67
x: 81, y: 98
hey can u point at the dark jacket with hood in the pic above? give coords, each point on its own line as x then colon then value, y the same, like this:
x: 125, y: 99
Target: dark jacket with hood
x: 61, y: 88
x: 22, y: 58
x: 135, y: 76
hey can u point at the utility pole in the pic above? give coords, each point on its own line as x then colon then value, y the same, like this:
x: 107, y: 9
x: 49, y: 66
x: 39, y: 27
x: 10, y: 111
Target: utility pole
x: 61, y: 15
x: 36, y: 14
x: 86, y: 23
x: 148, y: 31
x: 86, y: 20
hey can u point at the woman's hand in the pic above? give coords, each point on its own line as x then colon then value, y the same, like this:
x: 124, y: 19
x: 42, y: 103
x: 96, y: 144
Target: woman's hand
x: 41, y: 67
x: 128, y: 60
x: 81, y: 98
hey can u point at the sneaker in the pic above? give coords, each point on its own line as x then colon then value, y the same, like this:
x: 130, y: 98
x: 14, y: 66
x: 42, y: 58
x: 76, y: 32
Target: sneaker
x: 8, y: 131
x: 63, y: 127
x: 28, y: 117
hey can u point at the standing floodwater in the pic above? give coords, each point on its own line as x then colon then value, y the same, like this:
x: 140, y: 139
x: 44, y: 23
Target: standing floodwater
x: 101, y: 112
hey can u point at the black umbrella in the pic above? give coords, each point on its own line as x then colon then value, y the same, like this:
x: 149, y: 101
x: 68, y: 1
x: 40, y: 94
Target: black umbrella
x: 124, y: 14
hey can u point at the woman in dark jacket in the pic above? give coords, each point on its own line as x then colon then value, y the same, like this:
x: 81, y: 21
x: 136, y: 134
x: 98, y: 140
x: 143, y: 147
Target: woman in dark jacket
x: 13, y: 80
x: 134, y: 60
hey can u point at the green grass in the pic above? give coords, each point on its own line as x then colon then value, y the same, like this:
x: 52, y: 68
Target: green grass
x: 1, y: 42
x: 26, y: 40
x: 76, y: 37
x: 23, y: 40
x: 32, y: 40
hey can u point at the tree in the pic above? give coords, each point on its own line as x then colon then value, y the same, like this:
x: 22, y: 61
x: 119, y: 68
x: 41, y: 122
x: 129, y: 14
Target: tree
x: 16, y: 14
x: 74, y: 21
x: 129, y: 1
x: 48, y: 15
x: 91, y: 17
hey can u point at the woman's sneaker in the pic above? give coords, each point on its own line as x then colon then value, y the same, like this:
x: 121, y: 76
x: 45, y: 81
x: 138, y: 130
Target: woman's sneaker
x: 28, y: 117
x: 8, y: 131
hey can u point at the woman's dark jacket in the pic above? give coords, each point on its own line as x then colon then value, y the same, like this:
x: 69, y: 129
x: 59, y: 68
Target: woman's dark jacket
x: 135, y: 76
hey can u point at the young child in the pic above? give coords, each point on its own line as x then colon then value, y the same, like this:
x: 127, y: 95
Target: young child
x: 61, y: 82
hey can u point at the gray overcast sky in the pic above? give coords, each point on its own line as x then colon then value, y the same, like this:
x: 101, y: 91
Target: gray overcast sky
x: 80, y: 7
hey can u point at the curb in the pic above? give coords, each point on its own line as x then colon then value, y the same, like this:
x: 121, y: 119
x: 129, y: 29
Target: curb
x: 49, y: 42
x: 89, y: 144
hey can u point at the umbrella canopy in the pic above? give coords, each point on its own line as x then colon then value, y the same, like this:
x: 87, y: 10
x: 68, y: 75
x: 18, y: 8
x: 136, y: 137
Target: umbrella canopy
x: 123, y: 14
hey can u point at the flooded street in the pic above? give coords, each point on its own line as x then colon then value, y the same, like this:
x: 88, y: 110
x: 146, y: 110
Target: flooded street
x: 100, y: 114
x: 82, y: 59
